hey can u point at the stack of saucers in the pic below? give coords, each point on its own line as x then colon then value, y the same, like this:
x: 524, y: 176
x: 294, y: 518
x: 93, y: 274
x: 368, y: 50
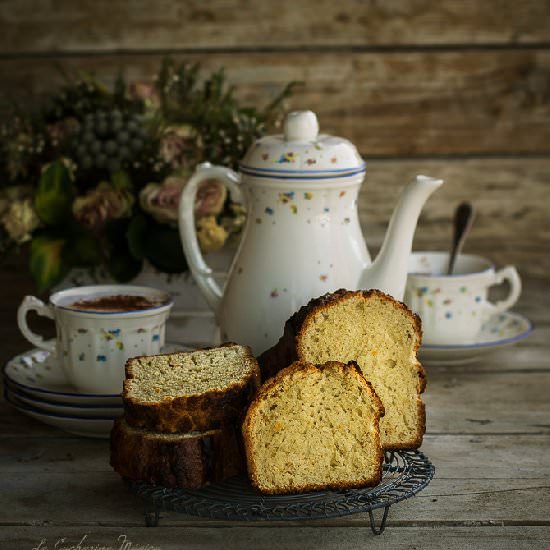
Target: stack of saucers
x: 36, y: 385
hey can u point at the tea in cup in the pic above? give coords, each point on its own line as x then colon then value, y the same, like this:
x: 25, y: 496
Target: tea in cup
x: 98, y: 328
x: 454, y: 307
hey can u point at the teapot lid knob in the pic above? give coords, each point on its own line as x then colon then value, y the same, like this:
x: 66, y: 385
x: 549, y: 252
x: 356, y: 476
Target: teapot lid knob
x: 301, y: 126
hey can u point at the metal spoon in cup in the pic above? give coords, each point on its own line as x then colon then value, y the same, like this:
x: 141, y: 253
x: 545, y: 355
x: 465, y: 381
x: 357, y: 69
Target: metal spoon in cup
x: 462, y: 223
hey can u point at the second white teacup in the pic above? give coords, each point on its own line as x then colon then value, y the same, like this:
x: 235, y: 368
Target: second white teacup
x: 93, y: 342
x: 454, y: 307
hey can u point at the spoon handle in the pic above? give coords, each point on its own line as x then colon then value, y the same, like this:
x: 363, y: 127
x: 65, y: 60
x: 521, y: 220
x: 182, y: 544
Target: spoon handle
x: 463, y: 218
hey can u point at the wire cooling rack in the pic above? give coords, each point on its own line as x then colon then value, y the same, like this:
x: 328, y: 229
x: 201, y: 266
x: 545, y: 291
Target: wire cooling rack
x: 405, y: 473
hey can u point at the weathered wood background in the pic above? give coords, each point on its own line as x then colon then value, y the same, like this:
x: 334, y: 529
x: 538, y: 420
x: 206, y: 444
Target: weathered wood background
x: 455, y: 88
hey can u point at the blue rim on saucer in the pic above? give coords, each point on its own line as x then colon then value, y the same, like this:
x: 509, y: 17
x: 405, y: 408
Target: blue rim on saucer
x: 51, y: 392
x: 19, y: 392
x: 177, y: 347
x: 54, y: 415
x: 497, y: 342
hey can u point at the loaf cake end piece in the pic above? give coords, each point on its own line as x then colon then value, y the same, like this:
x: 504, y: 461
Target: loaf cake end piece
x: 190, y: 391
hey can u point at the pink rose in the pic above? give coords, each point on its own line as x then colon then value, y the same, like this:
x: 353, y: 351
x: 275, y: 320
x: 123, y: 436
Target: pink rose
x: 147, y: 92
x: 210, y: 199
x: 162, y: 200
x: 101, y: 204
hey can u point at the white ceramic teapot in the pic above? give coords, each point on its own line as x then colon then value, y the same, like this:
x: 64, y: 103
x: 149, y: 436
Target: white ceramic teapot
x: 302, y: 236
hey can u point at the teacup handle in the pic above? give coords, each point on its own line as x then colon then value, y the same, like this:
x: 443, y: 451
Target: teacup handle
x: 31, y: 303
x: 510, y: 274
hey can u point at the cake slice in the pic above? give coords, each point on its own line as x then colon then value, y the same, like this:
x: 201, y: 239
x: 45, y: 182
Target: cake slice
x: 190, y: 391
x: 314, y: 427
x: 382, y: 335
x: 188, y: 460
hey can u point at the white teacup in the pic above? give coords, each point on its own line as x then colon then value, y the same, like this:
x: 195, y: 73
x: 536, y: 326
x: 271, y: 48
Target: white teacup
x: 454, y: 307
x: 94, y: 344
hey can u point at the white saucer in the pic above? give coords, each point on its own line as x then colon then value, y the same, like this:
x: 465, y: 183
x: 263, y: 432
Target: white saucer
x: 501, y: 330
x: 16, y: 395
x: 87, y: 427
x: 38, y: 374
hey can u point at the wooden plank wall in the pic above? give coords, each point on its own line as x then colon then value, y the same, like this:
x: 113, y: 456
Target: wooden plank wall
x: 451, y: 88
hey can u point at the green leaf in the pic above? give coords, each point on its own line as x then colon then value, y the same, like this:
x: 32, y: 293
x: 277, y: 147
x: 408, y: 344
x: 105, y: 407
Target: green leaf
x: 54, y: 196
x: 46, y: 262
x: 285, y: 94
x: 136, y: 236
x: 119, y: 92
x: 123, y: 266
x: 163, y: 249
x: 121, y: 181
x: 121, y: 263
x: 115, y: 232
x: 83, y: 249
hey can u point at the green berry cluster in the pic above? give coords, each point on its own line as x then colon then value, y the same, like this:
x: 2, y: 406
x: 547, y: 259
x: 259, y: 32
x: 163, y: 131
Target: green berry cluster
x: 110, y: 140
x: 75, y: 100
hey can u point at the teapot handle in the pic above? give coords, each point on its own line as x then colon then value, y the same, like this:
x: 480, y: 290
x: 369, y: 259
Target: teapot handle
x: 202, y: 273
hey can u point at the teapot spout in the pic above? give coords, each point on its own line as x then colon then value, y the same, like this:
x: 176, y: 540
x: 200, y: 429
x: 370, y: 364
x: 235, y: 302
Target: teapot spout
x: 389, y: 270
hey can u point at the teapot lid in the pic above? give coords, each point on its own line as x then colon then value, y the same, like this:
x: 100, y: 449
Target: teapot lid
x: 302, y: 153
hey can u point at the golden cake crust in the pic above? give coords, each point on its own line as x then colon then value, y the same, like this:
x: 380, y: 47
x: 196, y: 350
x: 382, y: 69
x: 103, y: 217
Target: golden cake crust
x: 175, y: 461
x: 270, y: 386
x: 200, y: 412
x: 289, y: 347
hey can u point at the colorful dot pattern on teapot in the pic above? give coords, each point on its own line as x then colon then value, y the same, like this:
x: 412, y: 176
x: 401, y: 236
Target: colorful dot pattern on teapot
x: 308, y: 207
x: 303, y: 152
x: 275, y: 292
x: 311, y: 157
x: 286, y: 197
x: 287, y: 157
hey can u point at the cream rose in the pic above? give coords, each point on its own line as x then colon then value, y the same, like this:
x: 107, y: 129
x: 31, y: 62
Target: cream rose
x: 20, y: 220
x: 175, y: 143
x: 11, y: 194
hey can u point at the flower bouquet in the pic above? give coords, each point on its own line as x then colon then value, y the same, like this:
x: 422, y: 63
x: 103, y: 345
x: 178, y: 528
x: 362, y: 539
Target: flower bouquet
x: 93, y: 178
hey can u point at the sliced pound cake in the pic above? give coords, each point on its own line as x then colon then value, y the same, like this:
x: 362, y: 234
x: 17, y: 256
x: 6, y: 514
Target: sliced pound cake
x: 188, y: 460
x: 378, y: 332
x: 314, y: 427
x: 190, y: 391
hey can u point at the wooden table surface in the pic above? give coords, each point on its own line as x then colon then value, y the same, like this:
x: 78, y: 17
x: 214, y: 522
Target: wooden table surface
x: 488, y: 436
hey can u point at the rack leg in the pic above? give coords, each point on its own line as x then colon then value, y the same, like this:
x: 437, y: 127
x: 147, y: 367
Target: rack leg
x: 379, y: 530
x: 151, y: 514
